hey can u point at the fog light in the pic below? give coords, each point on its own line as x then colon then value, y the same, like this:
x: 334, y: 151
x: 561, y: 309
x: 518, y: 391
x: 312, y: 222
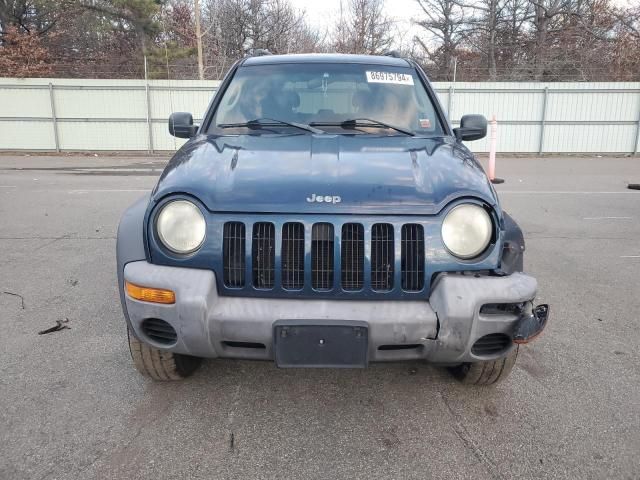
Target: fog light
x: 153, y: 295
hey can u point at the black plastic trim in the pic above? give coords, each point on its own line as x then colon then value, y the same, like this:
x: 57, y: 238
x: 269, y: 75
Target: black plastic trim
x: 513, y: 247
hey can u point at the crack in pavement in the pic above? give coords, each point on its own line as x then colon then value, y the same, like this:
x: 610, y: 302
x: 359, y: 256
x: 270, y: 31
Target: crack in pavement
x: 232, y: 413
x: 465, y: 437
x: 16, y: 295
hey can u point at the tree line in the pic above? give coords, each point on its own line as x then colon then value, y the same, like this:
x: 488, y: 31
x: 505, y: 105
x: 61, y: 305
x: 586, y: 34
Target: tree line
x: 473, y: 40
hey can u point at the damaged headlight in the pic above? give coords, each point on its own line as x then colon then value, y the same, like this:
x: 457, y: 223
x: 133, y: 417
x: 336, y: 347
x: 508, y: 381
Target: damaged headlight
x: 181, y: 226
x: 466, y: 230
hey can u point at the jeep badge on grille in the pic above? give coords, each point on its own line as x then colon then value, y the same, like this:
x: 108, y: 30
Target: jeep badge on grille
x: 324, y: 198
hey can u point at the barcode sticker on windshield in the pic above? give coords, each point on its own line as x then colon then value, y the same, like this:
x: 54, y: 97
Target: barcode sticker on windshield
x: 389, y: 77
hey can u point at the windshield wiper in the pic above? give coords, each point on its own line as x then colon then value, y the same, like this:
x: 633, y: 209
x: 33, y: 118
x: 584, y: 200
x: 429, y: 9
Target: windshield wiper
x: 271, y: 122
x: 363, y: 122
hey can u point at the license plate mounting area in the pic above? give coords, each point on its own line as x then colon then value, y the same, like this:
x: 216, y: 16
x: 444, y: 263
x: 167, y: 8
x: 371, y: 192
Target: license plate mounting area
x: 321, y: 343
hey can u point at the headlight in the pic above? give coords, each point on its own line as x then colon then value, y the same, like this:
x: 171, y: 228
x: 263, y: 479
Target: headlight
x: 181, y: 226
x: 466, y: 230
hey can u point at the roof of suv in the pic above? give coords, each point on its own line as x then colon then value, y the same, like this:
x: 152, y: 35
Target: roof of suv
x: 327, y: 58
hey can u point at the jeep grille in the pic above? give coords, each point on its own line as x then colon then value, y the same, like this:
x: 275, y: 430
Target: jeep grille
x: 352, y: 256
x: 382, y: 257
x: 412, y: 257
x: 263, y: 254
x: 296, y: 256
x: 293, y: 256
x: 233, y: 246
x: 322, y: 256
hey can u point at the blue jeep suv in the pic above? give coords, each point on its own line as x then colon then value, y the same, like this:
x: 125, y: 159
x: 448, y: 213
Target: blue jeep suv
x: 325, y: 214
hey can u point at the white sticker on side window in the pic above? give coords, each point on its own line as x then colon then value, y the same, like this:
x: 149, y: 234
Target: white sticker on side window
x: 389, y: 77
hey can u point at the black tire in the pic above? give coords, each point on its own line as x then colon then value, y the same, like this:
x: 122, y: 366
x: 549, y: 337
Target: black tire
x: 486, y: 372
x: 159, y: 364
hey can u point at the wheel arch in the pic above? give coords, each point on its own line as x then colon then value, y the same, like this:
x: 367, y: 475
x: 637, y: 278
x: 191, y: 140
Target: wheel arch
x: 130, y: 242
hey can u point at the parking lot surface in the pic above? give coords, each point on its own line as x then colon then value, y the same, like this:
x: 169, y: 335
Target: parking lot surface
x: 73, y: 407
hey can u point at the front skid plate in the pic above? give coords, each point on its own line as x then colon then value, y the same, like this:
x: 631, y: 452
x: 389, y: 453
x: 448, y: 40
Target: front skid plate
x: 321, y: 343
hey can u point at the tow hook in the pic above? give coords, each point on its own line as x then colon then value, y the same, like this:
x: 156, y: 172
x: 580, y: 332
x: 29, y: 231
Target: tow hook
x: 531, y: 325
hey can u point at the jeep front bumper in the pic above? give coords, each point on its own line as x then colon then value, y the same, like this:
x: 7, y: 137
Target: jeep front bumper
x: 442, y: 329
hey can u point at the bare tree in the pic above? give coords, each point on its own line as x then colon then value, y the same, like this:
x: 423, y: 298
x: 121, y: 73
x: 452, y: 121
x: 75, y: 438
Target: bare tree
x: 446, y: 21
x: 510, y: 36
x: 273, y: 24
x: 551, y: 40
x: 545, y: 13
x: 305, y: 39
x: 34, y: 16
x: 530, y: 39
x: 483, y: 29
x: 630, y: 20
x: 233, y: 28
x: 365, y: 29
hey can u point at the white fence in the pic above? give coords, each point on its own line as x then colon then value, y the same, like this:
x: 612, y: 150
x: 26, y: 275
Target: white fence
x: 80, y: 114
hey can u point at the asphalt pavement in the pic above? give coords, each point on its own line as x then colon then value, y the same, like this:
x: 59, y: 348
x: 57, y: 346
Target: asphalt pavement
x: 73, y: 407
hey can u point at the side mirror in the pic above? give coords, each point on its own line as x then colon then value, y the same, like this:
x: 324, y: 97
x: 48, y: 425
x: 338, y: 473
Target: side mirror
x: 181, y: 125
x: 472, y: 127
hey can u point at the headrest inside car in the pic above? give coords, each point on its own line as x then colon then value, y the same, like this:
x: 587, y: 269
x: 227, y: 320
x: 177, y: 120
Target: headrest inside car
x: 292, y: 99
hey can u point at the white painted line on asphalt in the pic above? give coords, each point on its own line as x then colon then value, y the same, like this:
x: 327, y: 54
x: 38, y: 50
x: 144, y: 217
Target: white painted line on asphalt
x: 561, y: 192
x: 8, y: 186
x: 102, y: 170
x: 608, y: 218
x: 108, y: 191
x: 629, y: 256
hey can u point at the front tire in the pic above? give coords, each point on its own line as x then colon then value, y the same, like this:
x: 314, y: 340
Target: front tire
x: 486, y: 372
x: 158, y: 364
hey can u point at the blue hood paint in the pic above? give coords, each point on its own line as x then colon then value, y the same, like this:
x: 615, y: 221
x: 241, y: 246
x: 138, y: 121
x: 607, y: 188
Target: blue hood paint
x: 372, y: 174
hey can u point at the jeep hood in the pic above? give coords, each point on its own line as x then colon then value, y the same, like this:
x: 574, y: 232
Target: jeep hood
x: 281, y: 173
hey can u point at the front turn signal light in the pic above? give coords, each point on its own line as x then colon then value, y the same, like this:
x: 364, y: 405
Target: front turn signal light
x: 153, y: 295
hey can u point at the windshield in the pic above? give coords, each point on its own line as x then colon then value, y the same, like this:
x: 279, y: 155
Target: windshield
x: 335, y: 98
